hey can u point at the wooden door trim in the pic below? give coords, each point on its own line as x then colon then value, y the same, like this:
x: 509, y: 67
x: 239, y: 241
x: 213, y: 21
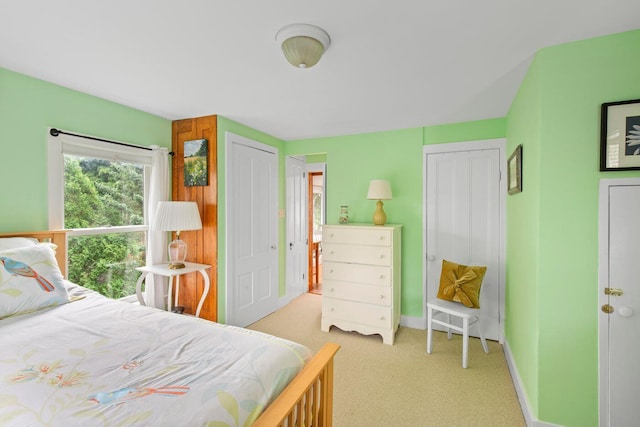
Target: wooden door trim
x: 310, y: 248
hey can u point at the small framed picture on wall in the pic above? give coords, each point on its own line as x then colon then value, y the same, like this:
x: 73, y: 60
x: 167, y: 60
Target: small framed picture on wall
x: 196, y: 171
x: 514, y: 171
x: 620, y: 136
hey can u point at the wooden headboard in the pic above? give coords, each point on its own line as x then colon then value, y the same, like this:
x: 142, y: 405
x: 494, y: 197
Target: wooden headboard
x: 57, y: 237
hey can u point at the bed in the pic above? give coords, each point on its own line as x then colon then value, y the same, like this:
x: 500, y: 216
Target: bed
x: 69, y: 356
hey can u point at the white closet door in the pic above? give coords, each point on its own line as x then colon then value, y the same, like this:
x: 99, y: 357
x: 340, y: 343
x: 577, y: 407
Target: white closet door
x: 253, y: 230
x: 463, y: 222
x: 619, y: 339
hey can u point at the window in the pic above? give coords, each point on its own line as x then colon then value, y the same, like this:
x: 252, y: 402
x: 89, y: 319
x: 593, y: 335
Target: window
x: 98, y: 191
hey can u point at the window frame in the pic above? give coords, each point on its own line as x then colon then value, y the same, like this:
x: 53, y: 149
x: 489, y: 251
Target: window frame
x: 61, y: 145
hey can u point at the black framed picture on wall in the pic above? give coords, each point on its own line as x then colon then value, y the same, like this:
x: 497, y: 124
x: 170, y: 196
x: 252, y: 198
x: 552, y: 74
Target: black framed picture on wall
x: 620, y: 136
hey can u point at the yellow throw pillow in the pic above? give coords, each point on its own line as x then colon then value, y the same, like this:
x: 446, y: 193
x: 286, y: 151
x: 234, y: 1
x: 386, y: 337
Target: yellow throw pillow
x: 461, y: 283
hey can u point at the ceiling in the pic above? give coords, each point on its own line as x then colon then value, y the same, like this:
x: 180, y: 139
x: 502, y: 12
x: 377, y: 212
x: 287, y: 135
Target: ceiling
x: 391, y: 64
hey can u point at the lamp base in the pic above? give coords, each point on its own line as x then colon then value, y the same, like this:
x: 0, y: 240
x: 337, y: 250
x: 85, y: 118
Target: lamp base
x: 379, y: 217
x: 177, y: 253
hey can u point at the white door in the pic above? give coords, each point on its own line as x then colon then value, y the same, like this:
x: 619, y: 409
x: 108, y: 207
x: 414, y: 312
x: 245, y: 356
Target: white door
x: 297, y: 236
x: 252, y: 230
x: 463, y: 220
x: 619, y: 336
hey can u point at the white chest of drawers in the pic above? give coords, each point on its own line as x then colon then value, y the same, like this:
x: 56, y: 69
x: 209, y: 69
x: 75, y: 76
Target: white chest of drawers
x: 361, y: 278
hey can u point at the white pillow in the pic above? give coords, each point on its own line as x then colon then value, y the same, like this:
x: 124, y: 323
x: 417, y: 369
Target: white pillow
x: 29, y: 280
x: 16, y: 242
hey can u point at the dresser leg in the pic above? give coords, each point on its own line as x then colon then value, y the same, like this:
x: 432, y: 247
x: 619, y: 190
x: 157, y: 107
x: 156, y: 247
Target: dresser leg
x: 388, y: 338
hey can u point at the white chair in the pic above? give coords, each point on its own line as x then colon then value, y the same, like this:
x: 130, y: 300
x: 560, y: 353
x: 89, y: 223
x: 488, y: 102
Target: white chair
x: 470, y: 317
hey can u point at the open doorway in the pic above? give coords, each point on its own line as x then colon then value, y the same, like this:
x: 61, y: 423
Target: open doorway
x: 316, y: 210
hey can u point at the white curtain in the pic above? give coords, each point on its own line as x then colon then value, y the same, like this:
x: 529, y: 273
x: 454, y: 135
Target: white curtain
x: 156, y: 287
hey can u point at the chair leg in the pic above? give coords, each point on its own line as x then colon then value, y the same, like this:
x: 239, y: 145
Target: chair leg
x: 465, y: 341
x: 482, y: 339
x: 448, y: 329
x: 429, y: 331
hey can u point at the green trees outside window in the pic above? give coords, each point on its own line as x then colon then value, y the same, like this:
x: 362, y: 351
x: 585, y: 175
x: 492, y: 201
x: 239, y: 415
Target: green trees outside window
x: 99, y: 194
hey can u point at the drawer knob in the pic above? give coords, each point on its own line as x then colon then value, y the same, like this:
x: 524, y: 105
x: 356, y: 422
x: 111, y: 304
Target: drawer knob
x: 331, y: 290
x: 331, y: 309
x: 331, y: 271
x: 381, y: 276
x: 331, y: 234
x: 381, y: 256
x: 381, y: 296
x: 381, y: 317
x: 331, y: 252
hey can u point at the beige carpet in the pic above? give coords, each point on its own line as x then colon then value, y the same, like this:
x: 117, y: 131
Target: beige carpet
x: 402, y: 385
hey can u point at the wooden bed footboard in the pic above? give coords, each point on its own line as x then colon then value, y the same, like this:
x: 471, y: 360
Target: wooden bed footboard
x: 308, y: 399
x: 57, y: 237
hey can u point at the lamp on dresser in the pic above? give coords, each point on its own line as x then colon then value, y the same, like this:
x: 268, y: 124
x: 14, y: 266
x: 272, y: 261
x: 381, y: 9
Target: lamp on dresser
x: 379, y: 190
x: 178, y: 217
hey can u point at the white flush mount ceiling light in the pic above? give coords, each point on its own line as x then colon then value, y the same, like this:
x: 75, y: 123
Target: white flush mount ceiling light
x: 303, y: 44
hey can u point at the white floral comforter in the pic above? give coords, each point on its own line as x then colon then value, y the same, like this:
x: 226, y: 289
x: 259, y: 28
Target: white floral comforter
x: 99, y: 362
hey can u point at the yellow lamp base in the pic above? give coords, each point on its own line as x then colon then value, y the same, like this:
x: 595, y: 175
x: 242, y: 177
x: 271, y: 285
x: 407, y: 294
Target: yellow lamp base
x: 379, y: 217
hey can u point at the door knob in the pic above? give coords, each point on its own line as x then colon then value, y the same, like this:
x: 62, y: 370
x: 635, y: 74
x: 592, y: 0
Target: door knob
x: 291, y: 246
x: 274, y: 247
x: 431, y: 258
x: 607, y: 309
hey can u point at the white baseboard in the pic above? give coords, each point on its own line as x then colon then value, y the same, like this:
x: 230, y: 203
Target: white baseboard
x: 529, y: 418
x: 413, y: 322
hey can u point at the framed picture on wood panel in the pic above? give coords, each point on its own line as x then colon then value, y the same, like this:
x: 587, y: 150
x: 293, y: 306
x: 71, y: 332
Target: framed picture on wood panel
x: 196, y: 155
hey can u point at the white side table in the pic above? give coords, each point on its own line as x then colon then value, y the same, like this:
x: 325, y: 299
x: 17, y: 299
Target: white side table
x: 164, y: 270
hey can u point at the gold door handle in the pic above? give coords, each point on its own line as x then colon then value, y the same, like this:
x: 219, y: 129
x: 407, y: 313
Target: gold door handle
x: 607, y: 309
x: 613, y: 292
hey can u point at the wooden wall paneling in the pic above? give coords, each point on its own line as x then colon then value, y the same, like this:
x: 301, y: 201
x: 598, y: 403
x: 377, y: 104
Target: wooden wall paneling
x: 202, y: 244
x: 310, y: 229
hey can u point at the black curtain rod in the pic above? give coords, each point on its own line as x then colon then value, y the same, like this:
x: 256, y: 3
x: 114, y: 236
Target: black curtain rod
x: 56, y: 132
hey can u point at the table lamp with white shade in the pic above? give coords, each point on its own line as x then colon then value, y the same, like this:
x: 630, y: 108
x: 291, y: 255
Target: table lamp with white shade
x: 379, y: 190
x: 178, y: 217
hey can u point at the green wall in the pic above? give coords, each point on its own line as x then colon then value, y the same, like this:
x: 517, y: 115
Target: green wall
x: 354, y: 160
x: 467, y: 131
x: 521, y: 296
x: 552, y: 275
x: 27, y: 108
x: 316, y: 158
